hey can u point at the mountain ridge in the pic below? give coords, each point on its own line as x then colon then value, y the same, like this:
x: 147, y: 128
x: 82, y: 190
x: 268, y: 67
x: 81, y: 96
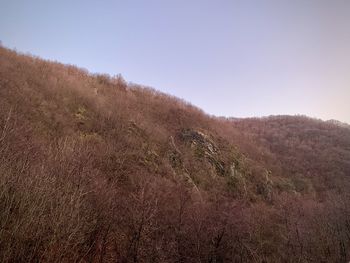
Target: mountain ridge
x: 156, y: 179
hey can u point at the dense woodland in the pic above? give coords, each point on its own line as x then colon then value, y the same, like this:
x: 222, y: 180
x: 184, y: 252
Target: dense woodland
x: 95, y: 169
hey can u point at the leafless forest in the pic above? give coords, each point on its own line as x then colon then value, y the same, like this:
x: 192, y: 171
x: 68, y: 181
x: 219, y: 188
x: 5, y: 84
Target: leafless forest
x: 95, y: 169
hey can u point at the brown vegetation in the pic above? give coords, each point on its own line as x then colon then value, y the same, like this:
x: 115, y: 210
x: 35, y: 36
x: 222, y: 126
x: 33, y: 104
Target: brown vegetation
x: 93, y: 169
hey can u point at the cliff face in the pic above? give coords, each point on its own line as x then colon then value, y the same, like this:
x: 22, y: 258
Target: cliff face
x: 96, y: 169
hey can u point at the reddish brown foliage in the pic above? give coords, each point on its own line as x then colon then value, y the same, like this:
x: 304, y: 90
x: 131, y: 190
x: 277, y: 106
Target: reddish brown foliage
x: 97, y: 170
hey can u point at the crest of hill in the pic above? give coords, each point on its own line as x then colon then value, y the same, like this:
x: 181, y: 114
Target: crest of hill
x: 57, y: 101
x: 95, y: 169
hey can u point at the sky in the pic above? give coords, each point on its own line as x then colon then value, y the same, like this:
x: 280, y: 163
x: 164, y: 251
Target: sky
x: 230, y: 58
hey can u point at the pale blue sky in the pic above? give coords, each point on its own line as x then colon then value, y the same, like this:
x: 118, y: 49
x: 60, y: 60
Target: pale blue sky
x: 230, y: 58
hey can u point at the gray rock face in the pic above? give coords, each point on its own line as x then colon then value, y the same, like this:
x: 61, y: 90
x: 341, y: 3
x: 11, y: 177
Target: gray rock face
x: 204, y: 147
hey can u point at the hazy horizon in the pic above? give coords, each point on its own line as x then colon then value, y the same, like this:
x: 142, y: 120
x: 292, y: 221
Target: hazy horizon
x: 233, y: 59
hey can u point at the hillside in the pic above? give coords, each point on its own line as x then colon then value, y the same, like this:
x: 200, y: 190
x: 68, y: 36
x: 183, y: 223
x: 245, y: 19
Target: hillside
x: 95, y: 169
x: 304, y: 149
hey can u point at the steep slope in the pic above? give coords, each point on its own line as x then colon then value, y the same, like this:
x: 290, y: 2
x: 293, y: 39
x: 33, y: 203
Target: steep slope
x: 95, y: 169
x: 158, y: 134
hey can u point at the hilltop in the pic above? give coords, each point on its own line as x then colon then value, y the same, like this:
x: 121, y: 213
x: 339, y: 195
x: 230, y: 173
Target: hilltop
x: 96, y: 169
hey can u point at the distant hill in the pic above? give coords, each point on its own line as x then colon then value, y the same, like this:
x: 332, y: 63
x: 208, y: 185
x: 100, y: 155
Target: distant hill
x: 304, y: 148
x: 95, y: 169
x: 339, y: 123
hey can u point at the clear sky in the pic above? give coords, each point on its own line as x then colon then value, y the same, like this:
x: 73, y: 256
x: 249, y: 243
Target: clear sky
x: 230, y: 58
